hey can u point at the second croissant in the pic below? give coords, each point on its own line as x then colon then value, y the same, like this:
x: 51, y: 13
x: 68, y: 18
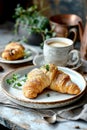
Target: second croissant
x: 13, y: 51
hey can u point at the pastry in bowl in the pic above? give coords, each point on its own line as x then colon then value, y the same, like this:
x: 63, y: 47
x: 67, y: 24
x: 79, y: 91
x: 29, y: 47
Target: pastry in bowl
x: 13, y: 51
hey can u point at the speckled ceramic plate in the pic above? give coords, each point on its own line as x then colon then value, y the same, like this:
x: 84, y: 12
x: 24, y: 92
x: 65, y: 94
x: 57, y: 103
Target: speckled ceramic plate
x: 39, y: 60
x: 30, y: 55
x: 54, y: 99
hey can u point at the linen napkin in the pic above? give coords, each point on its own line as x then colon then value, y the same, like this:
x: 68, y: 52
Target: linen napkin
x: 75, y: 114
x: 75, y: 111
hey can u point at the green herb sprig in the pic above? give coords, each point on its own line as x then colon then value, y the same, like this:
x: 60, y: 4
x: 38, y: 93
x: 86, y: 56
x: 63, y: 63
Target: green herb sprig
x: 34, y: 21
x: 27, y: 53
x: 16, y: 81
x: 47, y: 67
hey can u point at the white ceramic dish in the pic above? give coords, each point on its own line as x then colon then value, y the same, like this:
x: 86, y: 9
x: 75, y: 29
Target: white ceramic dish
x: 43, y: 101
x: 27, y: 59
x: 39, y: 60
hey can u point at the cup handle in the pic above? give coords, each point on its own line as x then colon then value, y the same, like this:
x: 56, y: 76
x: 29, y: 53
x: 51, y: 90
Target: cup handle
x: 74, y: 58
x: 73, y: 32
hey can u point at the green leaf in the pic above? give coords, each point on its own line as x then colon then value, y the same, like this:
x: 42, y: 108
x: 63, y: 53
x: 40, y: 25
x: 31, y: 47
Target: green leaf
x: 47, y: 67
x: 34, y: 20
x: 16, y: 80
x: 10, y: 81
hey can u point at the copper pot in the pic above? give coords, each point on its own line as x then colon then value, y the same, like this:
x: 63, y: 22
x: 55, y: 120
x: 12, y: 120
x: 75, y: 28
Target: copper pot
x: 67, y: 20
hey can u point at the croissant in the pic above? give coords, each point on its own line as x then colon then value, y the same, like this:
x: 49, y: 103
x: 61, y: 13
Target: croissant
x: 50, y: 70
x: 60, y: 81
x: 63, y: 84
x: 48, y: 76
x: 13, y: 51
x: 36, y: 82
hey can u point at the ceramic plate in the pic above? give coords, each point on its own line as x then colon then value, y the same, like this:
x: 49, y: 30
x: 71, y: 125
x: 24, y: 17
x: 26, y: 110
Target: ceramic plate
x: 39, y: 60
x: 43, y: 100
x: 28, y: 57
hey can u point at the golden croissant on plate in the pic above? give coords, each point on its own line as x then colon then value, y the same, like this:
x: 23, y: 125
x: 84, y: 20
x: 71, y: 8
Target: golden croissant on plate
x: 13, y: 51
x: 60, y: 81
x: 48, y: 76
x: 36, y: 82
x: 63, y: 84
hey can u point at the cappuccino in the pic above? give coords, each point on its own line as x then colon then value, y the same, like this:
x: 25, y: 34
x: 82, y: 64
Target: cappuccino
x: 56, y: 50
x: 58, y: 44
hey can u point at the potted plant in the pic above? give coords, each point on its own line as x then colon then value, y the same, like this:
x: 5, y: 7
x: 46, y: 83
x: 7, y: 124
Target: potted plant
x: 31, y: 25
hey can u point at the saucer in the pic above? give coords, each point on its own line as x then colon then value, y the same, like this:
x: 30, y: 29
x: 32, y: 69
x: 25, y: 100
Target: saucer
x: 39, y: 61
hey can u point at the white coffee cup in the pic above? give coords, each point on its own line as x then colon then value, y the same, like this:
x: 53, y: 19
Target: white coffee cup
x: 58, y: 50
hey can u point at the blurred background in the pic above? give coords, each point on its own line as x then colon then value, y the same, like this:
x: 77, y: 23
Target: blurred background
x: 50, y: 7
x: 78, y: 7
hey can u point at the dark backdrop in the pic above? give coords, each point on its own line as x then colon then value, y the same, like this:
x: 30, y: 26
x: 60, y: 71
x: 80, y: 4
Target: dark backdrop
x: 7, y: 8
